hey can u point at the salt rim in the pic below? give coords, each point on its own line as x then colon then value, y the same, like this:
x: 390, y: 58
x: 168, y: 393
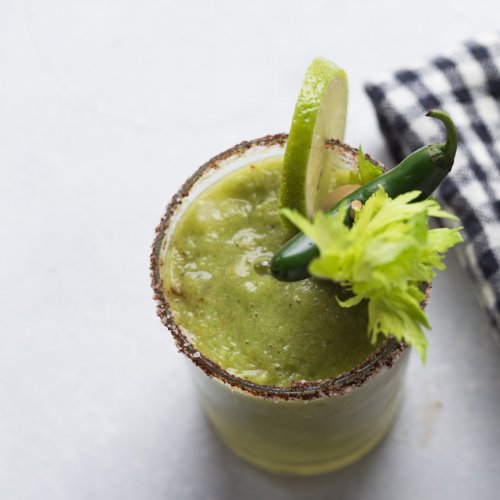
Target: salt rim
x: 388, y: 353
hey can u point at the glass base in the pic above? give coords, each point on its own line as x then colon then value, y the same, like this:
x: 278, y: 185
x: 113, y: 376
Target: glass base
x: 312, y: 468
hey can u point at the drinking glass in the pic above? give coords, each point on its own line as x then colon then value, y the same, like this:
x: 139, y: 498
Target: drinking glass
x: 310, y: 427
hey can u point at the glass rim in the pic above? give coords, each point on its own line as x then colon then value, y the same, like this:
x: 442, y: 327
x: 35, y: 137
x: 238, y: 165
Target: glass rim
x: 389, y: 352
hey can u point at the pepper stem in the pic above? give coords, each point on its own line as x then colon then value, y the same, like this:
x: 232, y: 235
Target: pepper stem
x: 449, y: 148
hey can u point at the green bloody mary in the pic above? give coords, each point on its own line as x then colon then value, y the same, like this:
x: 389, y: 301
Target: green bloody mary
x: 291, y: 382
x: 252, y: 325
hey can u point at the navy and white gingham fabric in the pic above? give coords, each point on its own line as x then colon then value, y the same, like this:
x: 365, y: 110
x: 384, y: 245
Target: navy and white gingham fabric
x: 466, y: 85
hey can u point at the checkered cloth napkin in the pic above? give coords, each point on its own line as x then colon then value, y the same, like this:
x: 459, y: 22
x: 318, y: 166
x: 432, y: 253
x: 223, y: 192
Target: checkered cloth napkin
x: 466, y: 85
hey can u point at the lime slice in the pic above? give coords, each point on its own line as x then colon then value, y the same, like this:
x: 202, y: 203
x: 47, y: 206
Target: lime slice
x: 320, y: 114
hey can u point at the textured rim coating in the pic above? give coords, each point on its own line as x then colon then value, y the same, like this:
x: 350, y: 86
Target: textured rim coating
x: 384, y: 356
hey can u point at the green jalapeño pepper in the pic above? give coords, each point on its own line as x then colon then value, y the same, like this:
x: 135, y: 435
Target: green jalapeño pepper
x: 423, y: 170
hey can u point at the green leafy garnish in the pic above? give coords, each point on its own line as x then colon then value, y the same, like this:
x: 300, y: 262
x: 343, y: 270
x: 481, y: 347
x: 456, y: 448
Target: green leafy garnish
x: 365, y: 172
x: 384, y: 257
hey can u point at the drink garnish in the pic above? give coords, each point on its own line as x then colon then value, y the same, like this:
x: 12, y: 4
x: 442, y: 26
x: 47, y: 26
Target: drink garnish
x: 423, y: 171
x: 320, y: 114
x: 384, y: 257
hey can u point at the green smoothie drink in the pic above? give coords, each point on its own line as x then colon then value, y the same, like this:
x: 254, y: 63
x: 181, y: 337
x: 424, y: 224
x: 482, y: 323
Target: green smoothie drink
x: 216, y: 280
x: 292, y: 272
x: 287, y: 377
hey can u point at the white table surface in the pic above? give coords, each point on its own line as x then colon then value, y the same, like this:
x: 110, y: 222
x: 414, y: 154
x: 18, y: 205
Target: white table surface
x: 105, y: 108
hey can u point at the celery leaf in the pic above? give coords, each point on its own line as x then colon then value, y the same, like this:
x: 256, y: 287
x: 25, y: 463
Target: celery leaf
x: 384, y: 258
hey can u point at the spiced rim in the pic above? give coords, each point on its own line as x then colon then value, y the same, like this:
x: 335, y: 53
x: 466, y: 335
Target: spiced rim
x: 384, y: 356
